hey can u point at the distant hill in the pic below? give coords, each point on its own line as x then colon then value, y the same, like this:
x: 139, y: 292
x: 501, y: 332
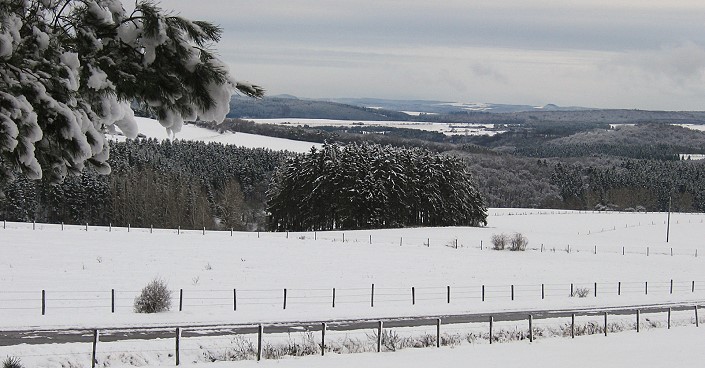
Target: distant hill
x: 371, y: 109
x: 291, y: 107
x: 447, y: 107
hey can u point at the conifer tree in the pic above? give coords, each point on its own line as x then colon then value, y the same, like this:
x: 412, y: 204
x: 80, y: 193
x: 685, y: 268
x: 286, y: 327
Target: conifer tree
x: 70, y: 70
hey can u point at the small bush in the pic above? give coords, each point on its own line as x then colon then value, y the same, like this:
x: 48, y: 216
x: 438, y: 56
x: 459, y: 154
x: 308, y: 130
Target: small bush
x: 154, y: 298
x: 499, y: 241
x: 518, y: 242
x: 581, y: 292
x: 12, y: 362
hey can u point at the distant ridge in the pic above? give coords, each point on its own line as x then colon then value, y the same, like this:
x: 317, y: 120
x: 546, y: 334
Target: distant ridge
x: 374, y: 109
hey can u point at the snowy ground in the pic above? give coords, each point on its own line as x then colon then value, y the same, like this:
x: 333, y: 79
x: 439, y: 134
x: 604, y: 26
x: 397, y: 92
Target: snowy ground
x: 445, y: 128
x: 78, y: 268
x: 152, y: 129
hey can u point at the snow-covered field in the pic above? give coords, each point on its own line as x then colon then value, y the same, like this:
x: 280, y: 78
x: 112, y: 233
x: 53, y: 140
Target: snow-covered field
x: 78, y: 268
x: 152, y: 129
x: 445, y: 128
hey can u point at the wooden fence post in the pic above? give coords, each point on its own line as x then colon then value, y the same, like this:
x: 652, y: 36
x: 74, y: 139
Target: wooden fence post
x: 543, y: 292
x: 333, y: 297
x: 697, y: 322
x: 692, y: 287
x: 151, y: 229
x: 178, y: 346
x: 379, y: 337
x: 483, y: 293
x: 646, y: 288
x: 671, y: 286
x: 619, y: 288
x: 637, y: 320
x: 605, y: 323
x: 669, y: 318
x: 413, y: 296
x: 491, y: 325
x: 95, y: 346
x: 234, y: 299
x: 531, y: 328
x: 372, y: 296
x: 112, y: 300
x: 260, y: 332
x: 323, y: 339
x: 44, y: 302
x: 595, y: 290
x: 181, y: 299
x: 448, y: 293
x: 86, y: 226
x: 571, y: 289
x: 572, y: 325
x: 512, y: 292
x: 284, y: 298
x: 438, y: 333
x: 343, y: 237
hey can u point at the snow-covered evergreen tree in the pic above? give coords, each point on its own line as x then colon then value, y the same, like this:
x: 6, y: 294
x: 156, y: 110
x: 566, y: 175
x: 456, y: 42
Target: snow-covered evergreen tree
x: 362, y: 186
x: 70, y: 69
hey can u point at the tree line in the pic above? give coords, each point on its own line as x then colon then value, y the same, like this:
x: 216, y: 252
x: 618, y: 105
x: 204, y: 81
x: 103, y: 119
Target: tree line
x: 163, y: 184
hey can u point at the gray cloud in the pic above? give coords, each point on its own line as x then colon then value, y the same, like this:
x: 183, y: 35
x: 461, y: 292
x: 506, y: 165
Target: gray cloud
x: 601, y: 52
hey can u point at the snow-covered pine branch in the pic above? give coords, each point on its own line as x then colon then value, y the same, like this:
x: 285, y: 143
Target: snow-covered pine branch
x: 69, y: 71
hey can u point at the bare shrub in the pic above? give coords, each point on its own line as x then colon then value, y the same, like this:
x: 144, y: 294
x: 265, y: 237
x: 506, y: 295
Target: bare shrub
x: 451, y: 340
x: 12, y: 362
x: 154, y: 298
x: 518, y: 242
x: 581, y: 292
x: 499, y: 241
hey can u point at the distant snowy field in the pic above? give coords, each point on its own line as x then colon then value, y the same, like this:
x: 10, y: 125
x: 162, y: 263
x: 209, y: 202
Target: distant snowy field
x: 77, y: 268
x: 152, y: 129
x: 445, y: 128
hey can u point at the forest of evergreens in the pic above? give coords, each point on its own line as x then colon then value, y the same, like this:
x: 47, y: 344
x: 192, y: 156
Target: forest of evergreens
x: 195, y: 185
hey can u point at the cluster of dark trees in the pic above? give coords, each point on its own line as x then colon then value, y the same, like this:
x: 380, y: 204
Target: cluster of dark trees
x: 162, y: 184
x: 633, y: 184
x: 363, y: 186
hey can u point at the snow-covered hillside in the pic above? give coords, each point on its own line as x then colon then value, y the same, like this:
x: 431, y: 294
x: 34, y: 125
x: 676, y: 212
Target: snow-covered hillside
x: 151, y: 128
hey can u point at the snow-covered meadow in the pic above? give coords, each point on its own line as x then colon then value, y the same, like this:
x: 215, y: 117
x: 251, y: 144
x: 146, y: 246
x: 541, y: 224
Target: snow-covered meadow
x: 78, y: 268
x: 151, y: 128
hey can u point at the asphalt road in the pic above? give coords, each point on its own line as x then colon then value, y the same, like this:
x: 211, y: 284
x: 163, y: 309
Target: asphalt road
x: 68, y: 335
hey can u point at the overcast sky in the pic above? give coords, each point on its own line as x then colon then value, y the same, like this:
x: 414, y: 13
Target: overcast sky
x: 643, y: 54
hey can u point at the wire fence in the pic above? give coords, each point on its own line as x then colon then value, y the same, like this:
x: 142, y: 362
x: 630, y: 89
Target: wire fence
x: 139, y: 345
x: 412, y: 238
x: 122, y: 301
